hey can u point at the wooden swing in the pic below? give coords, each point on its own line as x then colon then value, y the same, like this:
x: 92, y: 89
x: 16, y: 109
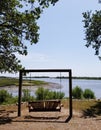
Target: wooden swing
x: 45, y: 105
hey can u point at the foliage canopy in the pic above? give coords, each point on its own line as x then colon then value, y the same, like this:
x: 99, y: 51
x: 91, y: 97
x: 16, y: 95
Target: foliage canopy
x: 92, y: 25
x: 18, y: 23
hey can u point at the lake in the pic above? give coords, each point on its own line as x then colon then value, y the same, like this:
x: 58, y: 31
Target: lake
x: 94, y: 85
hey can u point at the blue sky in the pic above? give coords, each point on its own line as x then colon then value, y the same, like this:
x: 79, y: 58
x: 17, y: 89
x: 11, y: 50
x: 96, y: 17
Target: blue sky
x: 61, y: 44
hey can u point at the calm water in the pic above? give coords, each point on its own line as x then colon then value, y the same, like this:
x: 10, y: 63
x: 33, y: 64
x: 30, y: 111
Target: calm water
x: 94, y: 85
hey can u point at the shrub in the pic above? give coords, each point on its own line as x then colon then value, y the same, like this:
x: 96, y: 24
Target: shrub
x: 46, y: 94
x: 4, y: 96
x: 39, y: 93
x: 88, y: 94
x: 26, y: 95
x: 77, y: 93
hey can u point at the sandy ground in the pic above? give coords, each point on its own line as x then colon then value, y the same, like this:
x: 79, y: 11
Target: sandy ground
x: 46, y: 120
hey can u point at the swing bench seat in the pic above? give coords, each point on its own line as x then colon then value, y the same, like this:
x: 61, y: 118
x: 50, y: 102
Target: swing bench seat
x: 44, y: 105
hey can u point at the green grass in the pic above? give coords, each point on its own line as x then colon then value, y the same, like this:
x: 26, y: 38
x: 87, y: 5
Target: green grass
x: 14, y: 81
x: 80, y: 105
x: 88, y: 108
x: 8, y: 81
x: 83, y: 104
x: 34, y: 82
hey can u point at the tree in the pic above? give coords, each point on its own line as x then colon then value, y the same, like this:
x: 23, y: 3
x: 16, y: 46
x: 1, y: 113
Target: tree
x: 77, y: 93
x: 92, y: 25
x: 18, y: 23
x: 88, y: 94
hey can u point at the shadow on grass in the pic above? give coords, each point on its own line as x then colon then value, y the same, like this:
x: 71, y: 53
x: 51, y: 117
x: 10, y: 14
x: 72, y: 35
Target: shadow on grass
x: 93, y: 111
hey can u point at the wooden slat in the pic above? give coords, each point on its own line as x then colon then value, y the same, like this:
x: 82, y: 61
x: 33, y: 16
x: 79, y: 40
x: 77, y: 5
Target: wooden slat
x: 47, y: 105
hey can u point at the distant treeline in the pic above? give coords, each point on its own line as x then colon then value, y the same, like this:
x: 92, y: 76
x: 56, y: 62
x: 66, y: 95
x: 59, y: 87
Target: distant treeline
x: 65, y: 77
x: 88, y: 78
x: 62, y: 77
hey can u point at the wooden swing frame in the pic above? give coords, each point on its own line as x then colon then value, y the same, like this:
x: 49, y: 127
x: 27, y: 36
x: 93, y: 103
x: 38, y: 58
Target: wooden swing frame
x: 45, y: 104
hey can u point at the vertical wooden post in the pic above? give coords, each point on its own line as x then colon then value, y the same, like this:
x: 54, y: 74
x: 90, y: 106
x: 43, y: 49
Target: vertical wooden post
x: 70, y: 96
x: 20, y: 93
x: 70, y: 93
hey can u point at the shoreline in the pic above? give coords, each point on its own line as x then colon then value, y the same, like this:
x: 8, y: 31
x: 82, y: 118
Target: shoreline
x: 13, y: 89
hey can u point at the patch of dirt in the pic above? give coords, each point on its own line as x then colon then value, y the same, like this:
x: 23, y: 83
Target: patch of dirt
x: 45, y: 120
